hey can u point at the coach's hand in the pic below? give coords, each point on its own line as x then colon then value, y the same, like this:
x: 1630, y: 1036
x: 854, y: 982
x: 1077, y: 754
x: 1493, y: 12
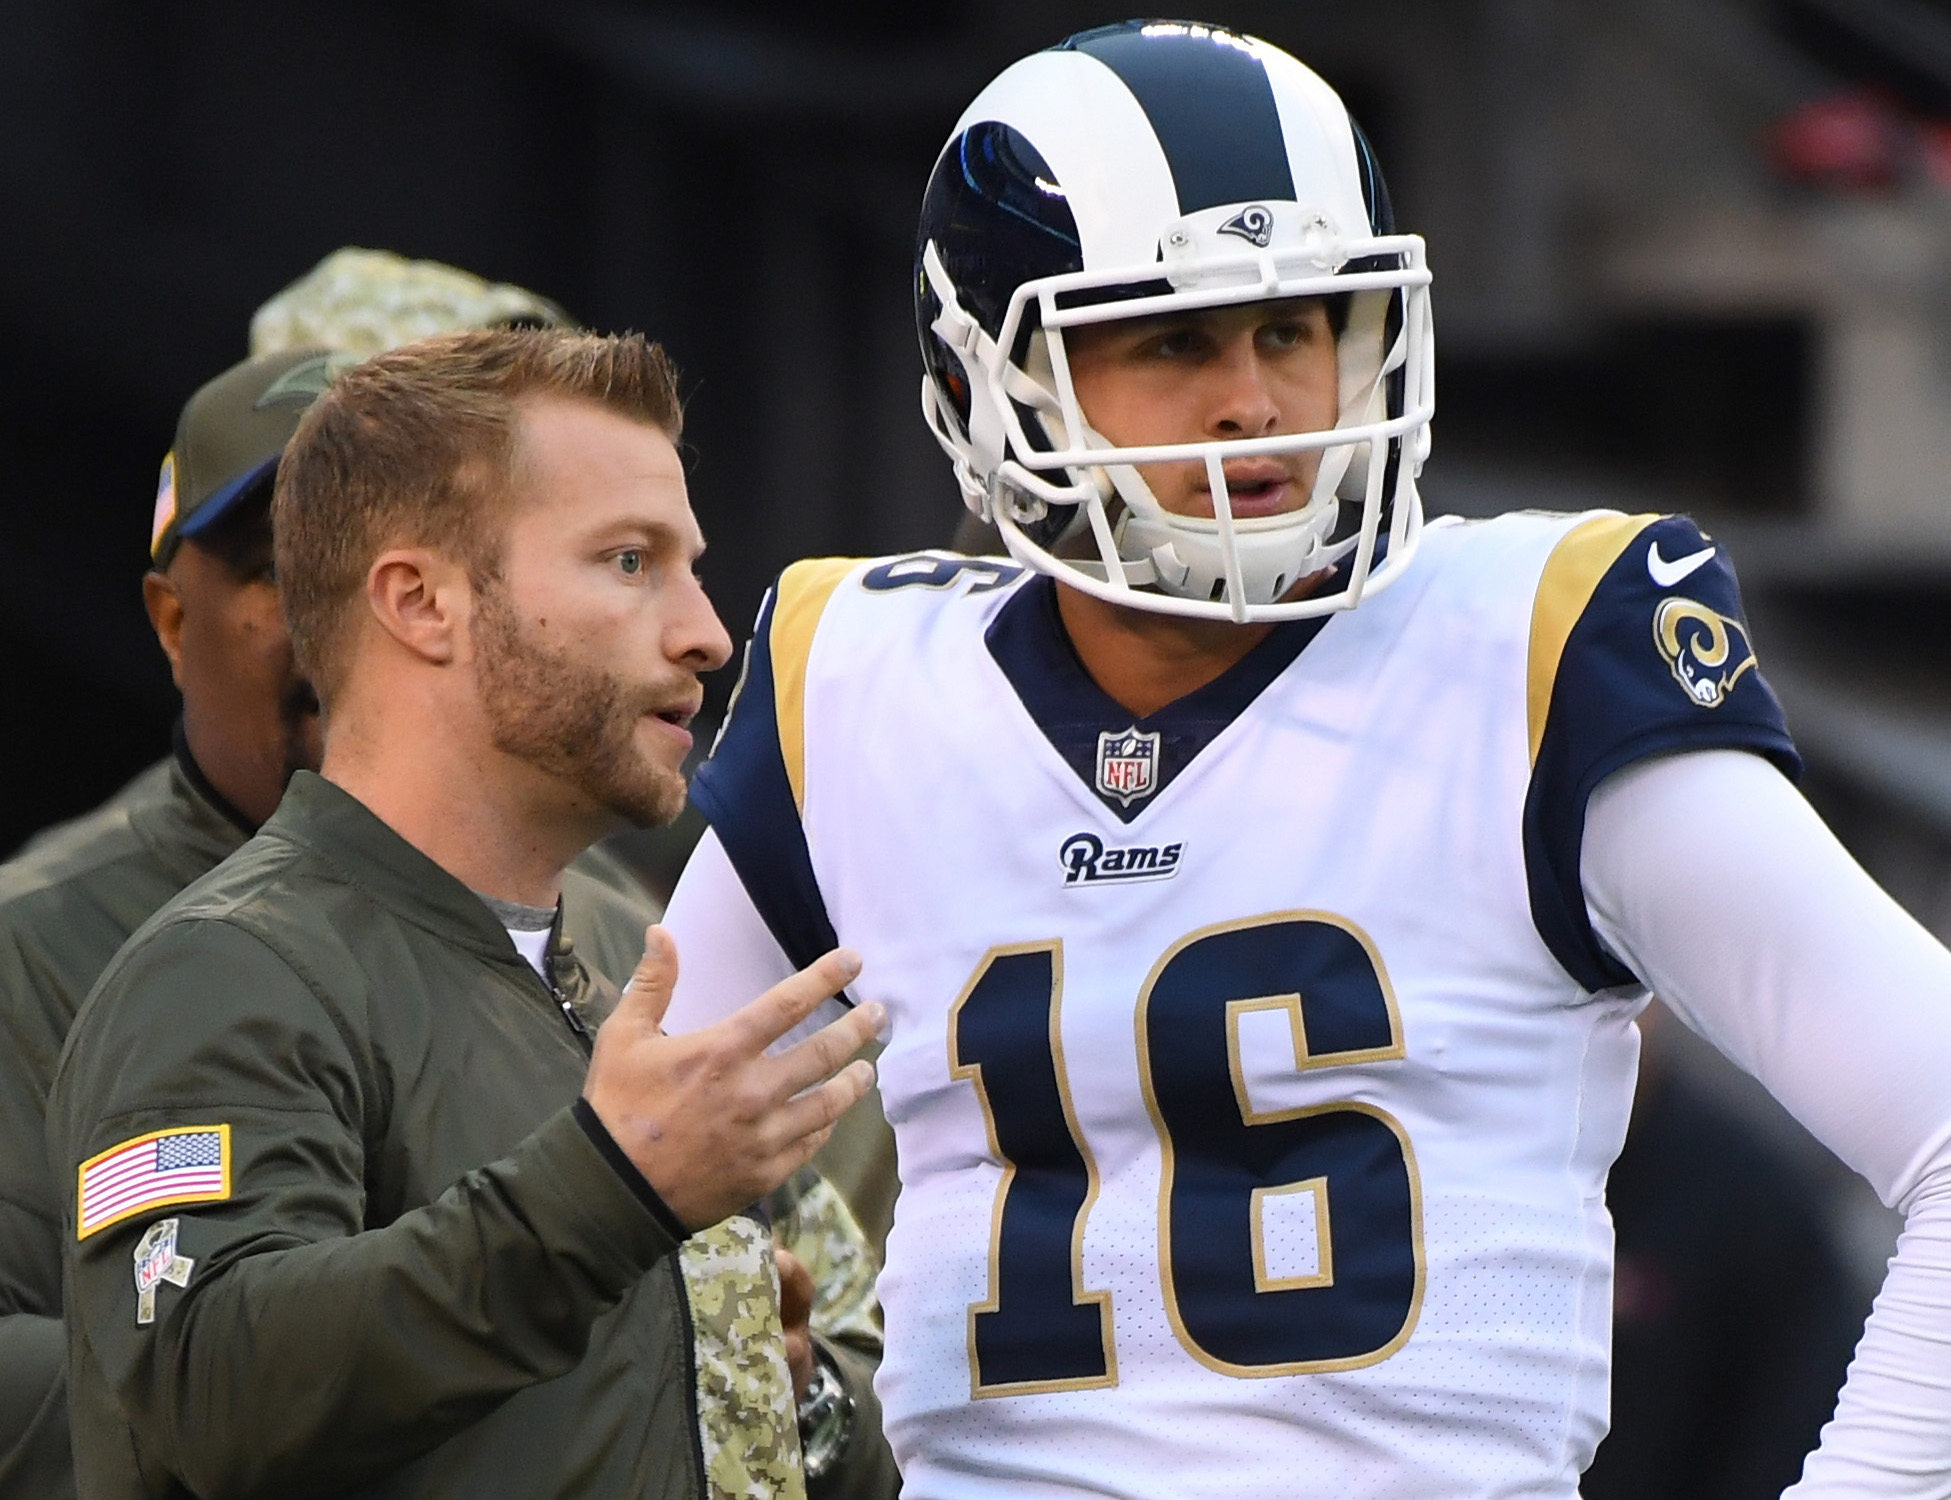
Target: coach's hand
x: 712, y: 1122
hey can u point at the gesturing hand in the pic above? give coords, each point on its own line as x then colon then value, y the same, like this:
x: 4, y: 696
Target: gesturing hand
x: 711, y: 1121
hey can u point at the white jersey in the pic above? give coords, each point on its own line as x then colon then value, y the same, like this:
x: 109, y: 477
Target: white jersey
x: 1254, y: 1068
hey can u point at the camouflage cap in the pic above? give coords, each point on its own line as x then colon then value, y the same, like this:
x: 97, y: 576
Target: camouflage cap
x: 230, y: 437
x: 367, y: 301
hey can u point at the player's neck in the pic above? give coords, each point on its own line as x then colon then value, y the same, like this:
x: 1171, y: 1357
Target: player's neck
x: 1146, y: 660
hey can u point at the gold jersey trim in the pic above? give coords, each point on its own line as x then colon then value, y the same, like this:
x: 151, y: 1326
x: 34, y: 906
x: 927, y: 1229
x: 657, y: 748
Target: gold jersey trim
x: 802, y: 595
x: 1572, y: 572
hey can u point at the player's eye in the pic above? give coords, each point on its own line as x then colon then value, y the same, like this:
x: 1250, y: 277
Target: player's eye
x: 631, y: 562
x: 1288, y: 333
x: 1172, y: 343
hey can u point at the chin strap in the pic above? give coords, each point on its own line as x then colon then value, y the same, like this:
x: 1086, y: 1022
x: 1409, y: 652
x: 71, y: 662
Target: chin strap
x: 1137, y: 575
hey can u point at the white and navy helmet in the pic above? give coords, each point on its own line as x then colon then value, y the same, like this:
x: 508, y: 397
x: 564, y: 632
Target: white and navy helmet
x: 1151, y: 167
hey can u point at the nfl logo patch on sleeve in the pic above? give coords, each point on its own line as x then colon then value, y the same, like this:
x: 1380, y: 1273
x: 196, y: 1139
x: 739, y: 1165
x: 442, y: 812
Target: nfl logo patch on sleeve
x: 156, y: 1261
x: 1127, y: 764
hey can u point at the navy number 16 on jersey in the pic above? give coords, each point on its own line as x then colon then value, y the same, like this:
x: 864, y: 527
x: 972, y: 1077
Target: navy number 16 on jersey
x: 1041, y: 1329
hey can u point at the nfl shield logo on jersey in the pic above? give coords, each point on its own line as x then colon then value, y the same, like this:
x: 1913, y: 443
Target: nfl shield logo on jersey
x: 1127, y: 764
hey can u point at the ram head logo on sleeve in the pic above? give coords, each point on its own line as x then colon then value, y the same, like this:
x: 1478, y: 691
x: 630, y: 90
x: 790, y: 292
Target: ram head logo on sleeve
x: 1708, y: 651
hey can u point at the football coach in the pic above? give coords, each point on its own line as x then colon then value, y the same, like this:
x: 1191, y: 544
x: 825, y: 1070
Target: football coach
x: 358, y: 1200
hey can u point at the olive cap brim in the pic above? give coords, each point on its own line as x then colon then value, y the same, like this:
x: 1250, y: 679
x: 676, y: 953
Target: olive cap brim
x: 229, y: 439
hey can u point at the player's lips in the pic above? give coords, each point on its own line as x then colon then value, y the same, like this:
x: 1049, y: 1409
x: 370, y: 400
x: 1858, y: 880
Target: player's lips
x: 1255, y: 487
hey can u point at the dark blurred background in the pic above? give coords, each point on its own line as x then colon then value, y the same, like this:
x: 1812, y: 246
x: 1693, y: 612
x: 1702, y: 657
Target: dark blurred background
x: 1689, y: 254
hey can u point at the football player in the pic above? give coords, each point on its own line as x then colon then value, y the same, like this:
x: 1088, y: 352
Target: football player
x: 1261, y: 882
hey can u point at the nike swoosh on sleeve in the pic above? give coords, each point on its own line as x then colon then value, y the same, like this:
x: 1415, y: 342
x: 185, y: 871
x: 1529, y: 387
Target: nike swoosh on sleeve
x: 1667, y: 574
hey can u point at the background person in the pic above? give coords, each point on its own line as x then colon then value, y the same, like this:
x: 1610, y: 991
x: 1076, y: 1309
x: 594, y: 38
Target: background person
x: 488, y: 569
x: 364, y: 302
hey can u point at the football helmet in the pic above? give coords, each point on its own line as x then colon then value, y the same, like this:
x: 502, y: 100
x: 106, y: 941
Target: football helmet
x: 1148, y: 168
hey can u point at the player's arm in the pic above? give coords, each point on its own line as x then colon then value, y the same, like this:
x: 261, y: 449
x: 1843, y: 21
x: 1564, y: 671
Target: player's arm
x: 747, y: 910
x: 749, y: 906
x: 730, y: 954
x: 1714, y: 881
x: 1639, y: 648
x: 1665, y: 844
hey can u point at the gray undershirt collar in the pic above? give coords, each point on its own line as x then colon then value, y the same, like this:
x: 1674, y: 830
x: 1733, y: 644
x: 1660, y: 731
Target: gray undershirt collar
x: 528, y: 928
x: 516, y: 917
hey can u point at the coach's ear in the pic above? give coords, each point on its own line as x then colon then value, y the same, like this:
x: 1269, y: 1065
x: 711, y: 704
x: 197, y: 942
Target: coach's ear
x: 422, y: 600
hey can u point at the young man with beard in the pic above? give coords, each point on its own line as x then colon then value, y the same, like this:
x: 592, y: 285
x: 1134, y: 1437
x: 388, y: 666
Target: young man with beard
x: 75, y: 892
x: 360, y: 1196
x: 1261, y: 883
x: 73, y: 896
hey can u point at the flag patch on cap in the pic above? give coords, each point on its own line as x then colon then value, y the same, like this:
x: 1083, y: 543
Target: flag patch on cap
x: 189, y: 1164
x: 165, y: 502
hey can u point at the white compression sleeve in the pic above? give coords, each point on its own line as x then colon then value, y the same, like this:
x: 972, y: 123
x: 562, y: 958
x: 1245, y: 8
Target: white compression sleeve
x: 726, y: 955
x: 1712, y: 878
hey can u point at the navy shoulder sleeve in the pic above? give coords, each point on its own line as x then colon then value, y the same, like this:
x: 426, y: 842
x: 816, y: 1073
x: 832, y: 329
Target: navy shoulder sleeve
x: 1639, y: 647
x: 753, y: 787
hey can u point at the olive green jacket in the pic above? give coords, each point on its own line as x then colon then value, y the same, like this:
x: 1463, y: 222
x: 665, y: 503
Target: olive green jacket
x: 428, y: 1273
x: 68, y: 901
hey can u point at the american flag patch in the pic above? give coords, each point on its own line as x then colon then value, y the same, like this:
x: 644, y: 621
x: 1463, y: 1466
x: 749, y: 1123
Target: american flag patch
x: 189, y: 1164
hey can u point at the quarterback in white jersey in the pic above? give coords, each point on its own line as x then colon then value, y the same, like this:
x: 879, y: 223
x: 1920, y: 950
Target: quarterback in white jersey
x: 1260, y: 970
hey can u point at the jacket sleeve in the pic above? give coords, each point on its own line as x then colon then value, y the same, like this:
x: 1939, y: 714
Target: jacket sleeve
x: 294, y: 1350
x: 34, y: 1457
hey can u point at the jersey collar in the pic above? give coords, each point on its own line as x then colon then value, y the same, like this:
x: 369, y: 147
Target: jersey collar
x: 1028, y: 641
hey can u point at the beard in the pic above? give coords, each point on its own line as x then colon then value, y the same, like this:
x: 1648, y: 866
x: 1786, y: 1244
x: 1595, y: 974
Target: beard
x: 573, y: 721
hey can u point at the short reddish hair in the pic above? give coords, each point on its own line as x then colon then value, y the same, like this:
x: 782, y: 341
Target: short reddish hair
x: 416, y: 447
